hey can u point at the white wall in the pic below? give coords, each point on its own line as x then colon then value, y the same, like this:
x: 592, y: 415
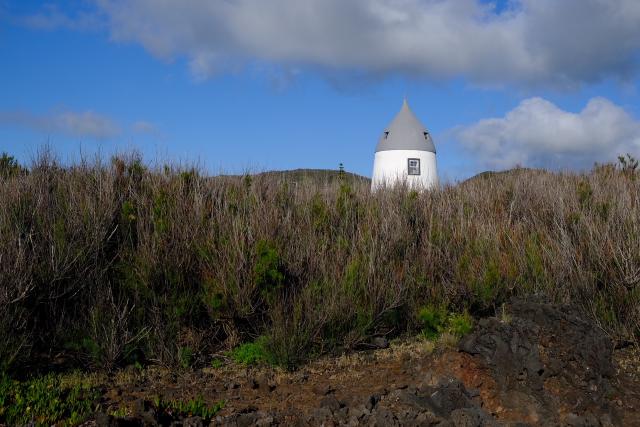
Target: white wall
x: 390, y: 167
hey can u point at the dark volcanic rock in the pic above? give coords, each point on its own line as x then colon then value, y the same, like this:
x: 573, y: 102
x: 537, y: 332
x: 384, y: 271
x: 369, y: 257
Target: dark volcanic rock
x: 544, y: 347
x: 447, y: 403
x: 470, y: 417
x: 448, y: 396
x: 104, y: 420
x: 567, y: 342
x: 192, y: 422
x: 330, y: 402
x: 372, y: 401
x: 245, y: 419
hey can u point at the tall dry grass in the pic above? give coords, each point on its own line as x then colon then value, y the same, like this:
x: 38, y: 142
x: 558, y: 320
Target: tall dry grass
x: 112, y: 262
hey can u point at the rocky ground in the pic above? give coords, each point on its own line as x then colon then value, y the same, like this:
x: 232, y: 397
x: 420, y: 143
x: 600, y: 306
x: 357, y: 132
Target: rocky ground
x: 537, y: 364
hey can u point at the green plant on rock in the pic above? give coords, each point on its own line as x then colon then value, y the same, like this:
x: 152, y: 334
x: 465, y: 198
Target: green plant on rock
x: 433, y: 319
x: 436, y: 320
x: 460, y: 324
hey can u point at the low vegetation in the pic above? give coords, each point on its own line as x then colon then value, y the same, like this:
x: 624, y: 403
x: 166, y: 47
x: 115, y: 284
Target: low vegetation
x: 436, y: 320
x: 253, y: 353
x: 46, y: 401
x: 189, y: 408
x: 109, y: 264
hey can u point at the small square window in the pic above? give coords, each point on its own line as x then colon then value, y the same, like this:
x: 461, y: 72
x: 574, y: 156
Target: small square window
x: 414, y: 166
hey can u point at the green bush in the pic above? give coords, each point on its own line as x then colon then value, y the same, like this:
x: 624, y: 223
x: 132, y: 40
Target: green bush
x: 433, y: 319
x: 436, y: 320
x: 460, y: 324
x: 267, y: 271
x: 253, y: 353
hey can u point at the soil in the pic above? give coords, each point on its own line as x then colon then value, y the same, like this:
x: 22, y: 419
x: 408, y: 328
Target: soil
x: 538, y: 364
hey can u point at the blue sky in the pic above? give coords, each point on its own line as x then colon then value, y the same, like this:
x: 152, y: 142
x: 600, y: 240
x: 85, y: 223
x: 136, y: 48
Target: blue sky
x: 282, y: 84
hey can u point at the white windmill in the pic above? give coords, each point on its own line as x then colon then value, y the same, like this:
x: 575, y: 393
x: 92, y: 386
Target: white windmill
x: 405, y: 154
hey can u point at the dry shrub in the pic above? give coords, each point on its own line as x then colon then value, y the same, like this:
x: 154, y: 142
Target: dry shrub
x: 113, y: 260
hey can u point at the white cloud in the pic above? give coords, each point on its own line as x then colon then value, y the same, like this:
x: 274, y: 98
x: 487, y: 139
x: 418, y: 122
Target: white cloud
x: 560, y: 42
x: 76, y: 124
x: 539, y: 134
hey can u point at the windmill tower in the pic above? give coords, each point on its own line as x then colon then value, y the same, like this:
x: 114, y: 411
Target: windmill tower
x: 405, y: 153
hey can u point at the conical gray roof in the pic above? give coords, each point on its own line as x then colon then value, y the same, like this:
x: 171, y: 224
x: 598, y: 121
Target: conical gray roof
x: 406, y: 133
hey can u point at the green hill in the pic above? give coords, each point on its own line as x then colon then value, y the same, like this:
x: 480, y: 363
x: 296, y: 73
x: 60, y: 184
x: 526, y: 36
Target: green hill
x: 318, y: 175
x: 505, y: 174
x: 298, y: 176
